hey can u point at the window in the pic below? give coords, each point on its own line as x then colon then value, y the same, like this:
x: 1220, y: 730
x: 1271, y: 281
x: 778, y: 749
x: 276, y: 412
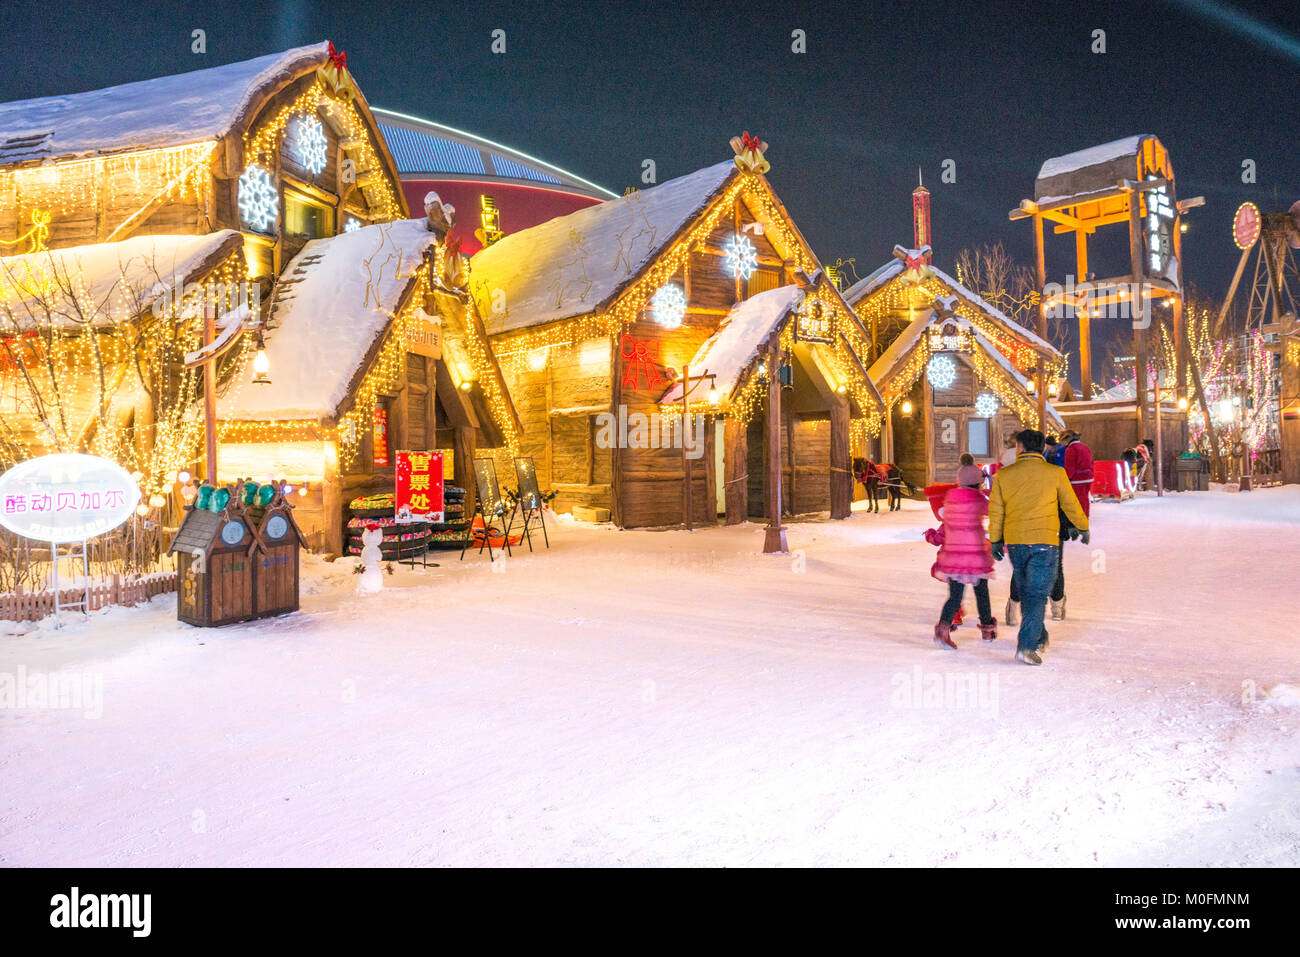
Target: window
x: 761, y: 281
x: 305, y: 219
x: 977, y: 437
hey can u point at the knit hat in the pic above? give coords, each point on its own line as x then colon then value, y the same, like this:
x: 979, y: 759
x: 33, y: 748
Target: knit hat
x: 970, y: 476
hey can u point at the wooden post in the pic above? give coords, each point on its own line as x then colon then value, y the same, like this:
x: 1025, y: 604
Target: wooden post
x: 774, y: 540
x: 210, y: 389
x: 1180, y: 333
x: 615, y: 452
x: 331, y: 495
x: 1139, y: 330
x: 735, y: 456
x: 841, y: 460
x: 465, y: 439
x: 710, y: 517
x: 686, y: 459
x: 1040, y: 280
x: 1085, y: 322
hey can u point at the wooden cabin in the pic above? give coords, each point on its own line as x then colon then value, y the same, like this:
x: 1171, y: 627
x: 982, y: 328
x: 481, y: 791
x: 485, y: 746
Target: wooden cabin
x: 271, y: 171
x: 955, y: 373
x: 598, y: 315
x: 370, y: 353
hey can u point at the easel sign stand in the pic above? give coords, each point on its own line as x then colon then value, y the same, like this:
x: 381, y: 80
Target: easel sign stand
x: 485, y: 482
x: 526, y: 475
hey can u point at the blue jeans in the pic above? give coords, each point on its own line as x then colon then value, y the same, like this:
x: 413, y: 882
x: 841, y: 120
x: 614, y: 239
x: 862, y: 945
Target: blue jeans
x: 1034, y: 567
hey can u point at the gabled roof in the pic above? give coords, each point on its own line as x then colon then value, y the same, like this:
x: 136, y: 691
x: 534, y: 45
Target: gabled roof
x: 581, y: 262
x: 862, y: 290
x: 333, y: 304
x: 1092, y: 156
x: 896, y: 356
x: 106, y: 283
x: 199, y: 106
x: 729, y: 351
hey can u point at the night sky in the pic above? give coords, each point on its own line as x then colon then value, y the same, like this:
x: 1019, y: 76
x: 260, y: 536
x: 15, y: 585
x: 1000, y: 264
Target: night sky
x: 597, y: 87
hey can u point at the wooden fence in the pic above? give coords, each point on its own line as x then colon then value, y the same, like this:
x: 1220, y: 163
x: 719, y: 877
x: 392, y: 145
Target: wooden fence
x: 33, y: 606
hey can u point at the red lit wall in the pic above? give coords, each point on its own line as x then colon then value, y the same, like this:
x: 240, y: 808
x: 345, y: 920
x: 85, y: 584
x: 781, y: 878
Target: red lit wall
x: 519, y: 206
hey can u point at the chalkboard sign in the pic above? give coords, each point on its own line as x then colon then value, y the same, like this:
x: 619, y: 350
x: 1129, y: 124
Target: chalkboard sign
x: 489, y: 495
x: 530, y: 496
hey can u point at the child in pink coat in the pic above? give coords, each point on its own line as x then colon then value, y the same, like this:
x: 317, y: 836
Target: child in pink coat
x: 964, y: 554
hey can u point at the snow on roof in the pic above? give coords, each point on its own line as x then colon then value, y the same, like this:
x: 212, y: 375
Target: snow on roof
x: 909, y: 337
x: 864, y: 287
x: 574, y: 264
x: 114, y: 282
x: 729, y: 351
x: 1102, y: 153
x: 165, y: 111
x: 891, y: 270
x: 322, y: 327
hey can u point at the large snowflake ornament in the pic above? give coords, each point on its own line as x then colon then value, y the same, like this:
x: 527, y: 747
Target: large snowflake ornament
x: 742, y: 257
x: 669, y: 305
x: 986, y: 405
x: 941, y: 371
x: 258, y: 202
x: 309, y: 143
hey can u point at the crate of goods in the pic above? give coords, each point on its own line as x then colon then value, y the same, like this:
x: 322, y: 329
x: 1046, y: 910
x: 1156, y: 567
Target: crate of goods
x: 451, y: 532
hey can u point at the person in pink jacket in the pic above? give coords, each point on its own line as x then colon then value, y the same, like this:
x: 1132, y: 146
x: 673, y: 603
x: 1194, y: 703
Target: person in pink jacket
x: 964, y: 554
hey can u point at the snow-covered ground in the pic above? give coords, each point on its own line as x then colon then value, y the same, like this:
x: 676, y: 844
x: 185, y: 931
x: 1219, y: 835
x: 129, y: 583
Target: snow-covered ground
x: 657, y: 698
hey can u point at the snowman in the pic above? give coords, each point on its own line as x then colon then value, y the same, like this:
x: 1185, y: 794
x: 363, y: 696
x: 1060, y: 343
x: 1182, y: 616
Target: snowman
x: 372, y: 579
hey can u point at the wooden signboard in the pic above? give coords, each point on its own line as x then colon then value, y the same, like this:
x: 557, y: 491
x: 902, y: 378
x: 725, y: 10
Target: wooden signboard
x: 422, y: 335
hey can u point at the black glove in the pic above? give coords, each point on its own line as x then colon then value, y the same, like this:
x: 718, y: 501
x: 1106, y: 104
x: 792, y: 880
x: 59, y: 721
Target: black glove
x: 1084, y: 537
x: 999, y: 551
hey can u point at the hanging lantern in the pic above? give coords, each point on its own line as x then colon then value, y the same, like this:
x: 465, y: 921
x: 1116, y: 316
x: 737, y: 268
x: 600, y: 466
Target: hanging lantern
x: 261, y: 364
x: 907, y: 407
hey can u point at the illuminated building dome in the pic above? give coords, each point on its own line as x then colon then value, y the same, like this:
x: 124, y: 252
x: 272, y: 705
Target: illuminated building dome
x: 462, y: 168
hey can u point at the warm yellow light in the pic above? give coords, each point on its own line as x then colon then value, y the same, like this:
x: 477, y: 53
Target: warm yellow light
x: 142, y: 509
x: 537, y: 359
x: 182, y: 476
x: 467, y: 385
x: 907, y: 407
x: 1182, y: 402
x: 713, y: 395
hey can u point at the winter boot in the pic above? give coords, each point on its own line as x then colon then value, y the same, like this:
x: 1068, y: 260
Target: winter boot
x: 943, y: 636
x: 1058, y: 610
x: 1013, y: 609
x: 989, y: 632
x: 1042, y: 642
x: 1028, y: 658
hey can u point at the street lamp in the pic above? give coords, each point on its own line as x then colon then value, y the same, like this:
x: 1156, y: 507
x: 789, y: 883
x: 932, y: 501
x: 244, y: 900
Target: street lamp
x: 261, y: 364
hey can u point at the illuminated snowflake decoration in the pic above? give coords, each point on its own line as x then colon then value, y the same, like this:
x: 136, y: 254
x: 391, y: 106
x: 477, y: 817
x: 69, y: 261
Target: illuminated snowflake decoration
x: 742, y: 257
x: 309, y: 143
x: 669, y: 305
x: 986, y: 405
x: 352, y: 225
x: 258, y: 202
x: 941, y: 371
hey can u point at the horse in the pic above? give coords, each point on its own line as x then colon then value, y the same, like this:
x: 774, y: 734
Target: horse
x: 875, y: 476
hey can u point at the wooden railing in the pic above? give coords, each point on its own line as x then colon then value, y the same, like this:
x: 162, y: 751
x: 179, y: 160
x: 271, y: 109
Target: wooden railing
x: 33, y: 606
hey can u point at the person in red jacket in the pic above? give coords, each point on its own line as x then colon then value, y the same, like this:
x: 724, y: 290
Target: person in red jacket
x: 964, y: 555
x: 1076, y: 459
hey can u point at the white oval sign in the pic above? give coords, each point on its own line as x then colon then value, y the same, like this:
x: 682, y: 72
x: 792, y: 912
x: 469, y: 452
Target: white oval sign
x: 66, y: 497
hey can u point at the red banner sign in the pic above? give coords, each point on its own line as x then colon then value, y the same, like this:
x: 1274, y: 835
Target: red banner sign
x: 419, y: 485
x: 381, y: 436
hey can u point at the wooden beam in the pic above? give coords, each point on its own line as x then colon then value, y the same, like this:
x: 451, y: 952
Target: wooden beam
x: 841, y: 460
x: 1040, y: 281
x: 1085, y: 323
x: 774, y: 539
x: 735, y: 460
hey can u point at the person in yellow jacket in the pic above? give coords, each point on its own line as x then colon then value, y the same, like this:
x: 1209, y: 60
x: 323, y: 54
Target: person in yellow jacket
x: 1024, y: 523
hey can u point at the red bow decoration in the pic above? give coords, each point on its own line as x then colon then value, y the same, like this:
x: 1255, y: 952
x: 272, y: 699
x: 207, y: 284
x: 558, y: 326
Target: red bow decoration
x: 452, y: 246
x: 640, y: 357
x: 917, y: 263
x: 752, y: 143
x: 339, y: 58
